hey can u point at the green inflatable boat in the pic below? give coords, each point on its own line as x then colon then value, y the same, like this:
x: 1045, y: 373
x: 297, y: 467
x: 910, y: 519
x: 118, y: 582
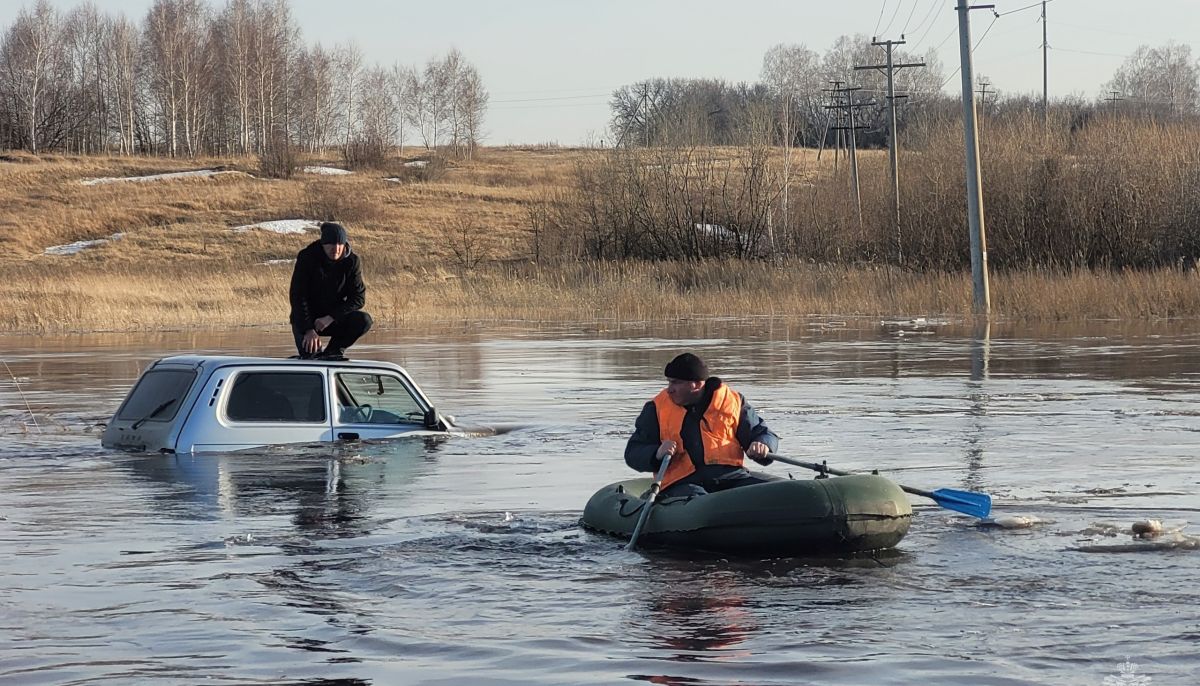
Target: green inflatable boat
x: 783, y: 517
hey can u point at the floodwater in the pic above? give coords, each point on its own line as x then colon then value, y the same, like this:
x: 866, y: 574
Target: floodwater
x: 462, y: 562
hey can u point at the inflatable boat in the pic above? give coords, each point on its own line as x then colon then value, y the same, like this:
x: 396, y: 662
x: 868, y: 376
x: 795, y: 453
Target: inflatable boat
x: 782, y: 517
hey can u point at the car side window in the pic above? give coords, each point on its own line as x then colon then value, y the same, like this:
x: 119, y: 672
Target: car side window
x: 367, y: 398
x: 277, y: 397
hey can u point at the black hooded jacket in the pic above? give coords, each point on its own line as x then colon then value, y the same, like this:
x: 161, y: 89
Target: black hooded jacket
x: 324, y: 287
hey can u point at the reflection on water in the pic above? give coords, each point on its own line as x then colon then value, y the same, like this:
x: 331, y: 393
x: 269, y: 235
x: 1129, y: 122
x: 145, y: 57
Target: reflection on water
x: 461, y: 561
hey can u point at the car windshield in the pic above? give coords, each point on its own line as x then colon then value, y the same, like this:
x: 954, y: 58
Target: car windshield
x: 157, y: 389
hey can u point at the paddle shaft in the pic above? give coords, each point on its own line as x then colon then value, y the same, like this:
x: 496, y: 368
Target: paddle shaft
x: 837, y: 472
x: 653, y: 495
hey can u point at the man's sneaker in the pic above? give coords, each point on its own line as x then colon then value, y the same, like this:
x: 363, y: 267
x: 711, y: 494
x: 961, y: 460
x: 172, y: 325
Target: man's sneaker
x: 331, y: 356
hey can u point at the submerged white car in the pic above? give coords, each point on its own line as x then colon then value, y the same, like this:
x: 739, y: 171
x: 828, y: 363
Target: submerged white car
x: 211, y: 403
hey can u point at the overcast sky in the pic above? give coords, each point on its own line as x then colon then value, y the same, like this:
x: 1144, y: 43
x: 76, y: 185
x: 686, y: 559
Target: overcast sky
x: 551, y: 64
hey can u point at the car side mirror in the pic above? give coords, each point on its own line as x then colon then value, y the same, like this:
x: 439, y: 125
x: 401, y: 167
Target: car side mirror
x: 433, y: 422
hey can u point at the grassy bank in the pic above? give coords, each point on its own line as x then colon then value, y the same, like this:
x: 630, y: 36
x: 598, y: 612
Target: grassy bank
x: 168, y: 298
x: 467, y: 244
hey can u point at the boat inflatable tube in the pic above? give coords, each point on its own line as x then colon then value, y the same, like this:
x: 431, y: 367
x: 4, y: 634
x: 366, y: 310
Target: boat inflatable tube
x: 782, y: 517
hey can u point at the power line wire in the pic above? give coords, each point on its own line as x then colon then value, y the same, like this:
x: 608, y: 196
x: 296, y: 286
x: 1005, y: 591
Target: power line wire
x: 973, y: 49
x: 894, y: 13
x: 933, y: 5
x: 1091, y: 52
x: 881, y: 9
x: 910, y: 16
x: 1022, y: 9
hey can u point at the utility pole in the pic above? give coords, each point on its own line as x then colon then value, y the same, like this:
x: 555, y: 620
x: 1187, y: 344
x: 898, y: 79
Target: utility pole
x: 849, y: 106
x: 835, y: 103
x: 889, y: 69
x: 984, y: 84
x: 981, y: 300
x: 1113, y: 98
x: 1045, y: 73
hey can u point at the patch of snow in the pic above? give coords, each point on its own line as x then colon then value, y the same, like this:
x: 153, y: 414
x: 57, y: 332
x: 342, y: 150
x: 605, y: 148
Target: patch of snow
x: 326, y: 170
x: 716, y: 231
x: 80, y: 246
x: 157, y: 177
x: 272, y: 263
x: 417, y: 163
x: 280, y: 226
x: 394, y: 179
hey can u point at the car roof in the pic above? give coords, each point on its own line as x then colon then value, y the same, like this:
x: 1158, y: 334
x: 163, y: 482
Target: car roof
x: 219, y: 361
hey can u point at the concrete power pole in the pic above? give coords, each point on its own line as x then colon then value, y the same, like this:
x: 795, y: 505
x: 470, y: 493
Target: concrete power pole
x: 889, y: 70
x: 1045, y: 73
x: 981, y: 302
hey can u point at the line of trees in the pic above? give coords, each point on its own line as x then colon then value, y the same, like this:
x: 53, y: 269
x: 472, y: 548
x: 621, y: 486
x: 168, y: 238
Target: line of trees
x: 793, y: 92
x: 192, y: 80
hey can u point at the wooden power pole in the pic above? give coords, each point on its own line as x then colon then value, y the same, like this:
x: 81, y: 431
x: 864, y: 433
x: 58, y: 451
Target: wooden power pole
x: 889, y: 69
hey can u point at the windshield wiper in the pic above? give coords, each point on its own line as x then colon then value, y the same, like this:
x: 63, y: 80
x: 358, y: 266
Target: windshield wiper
x: 153, y: 414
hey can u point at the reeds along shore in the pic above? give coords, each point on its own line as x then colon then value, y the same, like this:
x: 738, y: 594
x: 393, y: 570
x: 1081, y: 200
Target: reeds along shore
x: 1084, y: 222
x: 171, y: 298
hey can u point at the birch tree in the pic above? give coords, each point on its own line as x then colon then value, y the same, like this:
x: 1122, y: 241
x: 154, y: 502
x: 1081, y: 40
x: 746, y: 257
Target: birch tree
x: 31, y: 60
x: 471, y: 99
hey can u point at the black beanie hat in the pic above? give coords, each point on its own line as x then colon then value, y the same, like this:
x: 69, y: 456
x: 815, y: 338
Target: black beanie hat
x: 687, y: 367
x: 333, y: 232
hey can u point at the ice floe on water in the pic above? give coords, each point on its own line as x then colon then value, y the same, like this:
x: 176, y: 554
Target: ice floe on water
x: 158, y: 177
x: 332, y: 171
x: 280, y: 226
x: 80, y: 246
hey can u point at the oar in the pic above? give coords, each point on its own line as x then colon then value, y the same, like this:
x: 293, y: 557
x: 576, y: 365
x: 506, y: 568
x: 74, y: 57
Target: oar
x: 967, y: 502
x: 637, y: 530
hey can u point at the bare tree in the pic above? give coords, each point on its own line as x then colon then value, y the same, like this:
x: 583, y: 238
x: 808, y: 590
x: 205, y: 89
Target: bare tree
x: 272, y: 55
x: 375, y: 129
x: 122, y: 47
x: 400, y: 80
x: 348, y: 61
x: 435, y: 101
x: 176, y: 60
x: 471, y: 100
x: 237, y: 38
x: 1165, y: 78
x: 31, y: 62
x: 314, y: 89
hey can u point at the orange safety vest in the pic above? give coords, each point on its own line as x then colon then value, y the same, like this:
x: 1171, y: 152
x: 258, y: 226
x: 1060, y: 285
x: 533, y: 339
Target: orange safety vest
x: 718, y: 429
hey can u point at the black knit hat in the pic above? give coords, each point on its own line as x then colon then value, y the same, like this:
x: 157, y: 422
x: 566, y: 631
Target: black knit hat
x: 687, y: 367
x: 333, y: 232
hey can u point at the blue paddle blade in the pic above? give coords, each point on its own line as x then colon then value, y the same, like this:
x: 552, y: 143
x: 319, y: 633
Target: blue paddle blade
x: 967, y: 502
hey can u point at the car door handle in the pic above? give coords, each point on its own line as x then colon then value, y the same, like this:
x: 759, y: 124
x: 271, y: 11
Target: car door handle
x: 347, y: 436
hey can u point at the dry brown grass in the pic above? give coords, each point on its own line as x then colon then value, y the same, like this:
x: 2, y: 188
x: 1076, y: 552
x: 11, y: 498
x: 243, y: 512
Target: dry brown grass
x: 179, y: 267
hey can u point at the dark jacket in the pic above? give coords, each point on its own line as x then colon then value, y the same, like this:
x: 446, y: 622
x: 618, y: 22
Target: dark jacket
x: 322, y: 287
x: 644, y: 443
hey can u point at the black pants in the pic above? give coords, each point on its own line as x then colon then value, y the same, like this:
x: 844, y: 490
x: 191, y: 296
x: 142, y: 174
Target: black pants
x: 717, y: 478
x: 343, y: 332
